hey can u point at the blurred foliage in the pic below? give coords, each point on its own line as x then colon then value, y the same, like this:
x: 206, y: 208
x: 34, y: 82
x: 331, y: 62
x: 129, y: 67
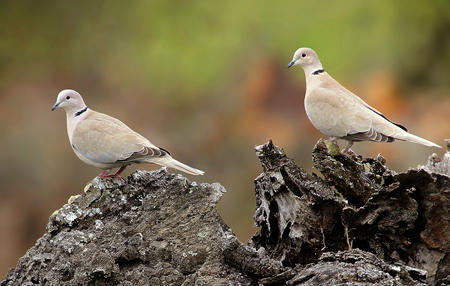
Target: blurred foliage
x: 206, y: 80
x: 192, y: 46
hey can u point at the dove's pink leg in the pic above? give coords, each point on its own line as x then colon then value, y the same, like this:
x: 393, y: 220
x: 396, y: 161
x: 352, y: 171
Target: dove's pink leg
x: 117, y: 173
x: 347, y: 148
x: 103, y: 174
x: 333, y: 139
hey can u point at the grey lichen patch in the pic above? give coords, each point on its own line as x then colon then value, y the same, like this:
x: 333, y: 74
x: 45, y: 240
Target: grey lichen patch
x: 99, y: 224
x: 91, y: 212
x: 139, y: 175
x: 68, y: 215
x: 203, y: 233
x: 192, y: 253
x: 106, y: 183
x: 438, y: 165
x: 70, y: 241
x: 217, y: 192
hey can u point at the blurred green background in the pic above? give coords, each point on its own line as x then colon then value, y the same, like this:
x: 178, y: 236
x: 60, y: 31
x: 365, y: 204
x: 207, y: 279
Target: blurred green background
x: 208, y: 81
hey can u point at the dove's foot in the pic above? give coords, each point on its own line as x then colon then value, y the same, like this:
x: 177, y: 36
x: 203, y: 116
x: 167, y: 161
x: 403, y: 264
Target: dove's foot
x: 112, y: 176
x: 348, y: 151
x: 105, y: 174
x: 116, y: 174
x: 333, y: 139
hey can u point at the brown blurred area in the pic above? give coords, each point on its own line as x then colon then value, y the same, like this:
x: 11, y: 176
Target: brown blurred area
x: 207, y: 81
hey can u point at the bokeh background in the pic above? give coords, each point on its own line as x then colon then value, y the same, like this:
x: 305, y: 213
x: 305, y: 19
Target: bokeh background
x: 208, y: 81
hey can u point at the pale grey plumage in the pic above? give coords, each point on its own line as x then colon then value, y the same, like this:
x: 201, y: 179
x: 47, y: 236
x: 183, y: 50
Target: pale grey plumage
x: 106, y: 142
x: 337, y: 112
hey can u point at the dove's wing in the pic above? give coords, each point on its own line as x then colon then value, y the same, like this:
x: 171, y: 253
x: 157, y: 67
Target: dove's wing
x: 348, y: 116
x: 106, y: 140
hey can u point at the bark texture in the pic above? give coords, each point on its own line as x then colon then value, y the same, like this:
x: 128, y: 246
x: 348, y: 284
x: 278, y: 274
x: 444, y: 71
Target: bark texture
x: 355, y: 222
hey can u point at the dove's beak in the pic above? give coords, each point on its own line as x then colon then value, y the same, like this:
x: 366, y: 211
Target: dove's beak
x: 291, y: 63
x: 56, y: 105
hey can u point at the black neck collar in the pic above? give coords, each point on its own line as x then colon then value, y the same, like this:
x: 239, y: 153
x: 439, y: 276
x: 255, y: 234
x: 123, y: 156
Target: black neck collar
x: 318, y: 71
x: 80, y: 112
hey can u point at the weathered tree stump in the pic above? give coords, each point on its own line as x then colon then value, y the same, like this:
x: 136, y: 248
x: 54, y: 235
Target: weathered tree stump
x: 160, y: 229
x: 354, y: 203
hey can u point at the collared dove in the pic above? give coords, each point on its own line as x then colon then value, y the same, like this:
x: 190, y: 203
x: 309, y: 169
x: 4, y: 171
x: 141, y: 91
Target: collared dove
x: 337, y: 112
x: 106, y: 143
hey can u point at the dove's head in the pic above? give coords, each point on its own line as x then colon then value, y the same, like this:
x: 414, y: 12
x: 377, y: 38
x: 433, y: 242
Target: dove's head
x: 69, y: 100
x: 307, y: 59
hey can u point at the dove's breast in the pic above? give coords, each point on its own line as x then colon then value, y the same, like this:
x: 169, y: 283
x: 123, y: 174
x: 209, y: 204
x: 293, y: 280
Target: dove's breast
x: 327, y: 112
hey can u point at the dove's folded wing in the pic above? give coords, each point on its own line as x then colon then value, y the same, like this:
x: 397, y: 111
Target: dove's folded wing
x: 104, y: 139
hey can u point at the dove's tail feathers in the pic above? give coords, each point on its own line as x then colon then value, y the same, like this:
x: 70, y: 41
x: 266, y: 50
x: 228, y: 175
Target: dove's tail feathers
x: 170, y: 162
x: 416, y: 139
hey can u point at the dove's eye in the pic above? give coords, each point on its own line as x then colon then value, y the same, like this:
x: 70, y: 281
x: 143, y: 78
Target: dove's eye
x: 67, y: 97
x: 303, y: 55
